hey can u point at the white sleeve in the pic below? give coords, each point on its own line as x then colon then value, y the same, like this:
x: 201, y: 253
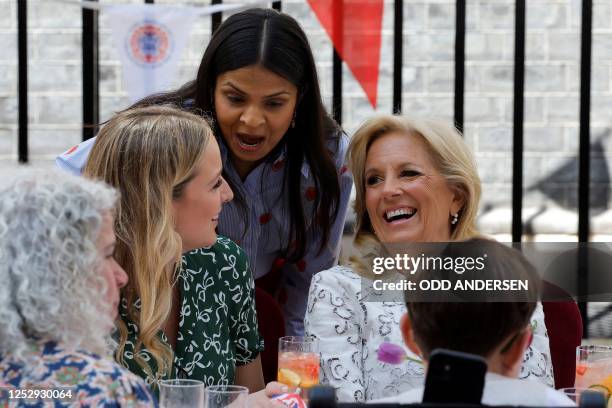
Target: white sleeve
x: 537, y: 362
x: 558, y: 399
x: 332, y: 316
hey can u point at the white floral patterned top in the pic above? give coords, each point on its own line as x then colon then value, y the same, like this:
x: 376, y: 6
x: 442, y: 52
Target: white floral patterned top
x: 350, y: 330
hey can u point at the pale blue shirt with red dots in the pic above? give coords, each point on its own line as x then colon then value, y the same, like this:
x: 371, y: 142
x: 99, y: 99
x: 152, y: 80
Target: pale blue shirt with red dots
x: 266, y: 233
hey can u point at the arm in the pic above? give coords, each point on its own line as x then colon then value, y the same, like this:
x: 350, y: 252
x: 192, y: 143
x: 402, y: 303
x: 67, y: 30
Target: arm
x: 297, y: 276
x: 120, y: 388
x: 250, y: 375
x: 537, y: 363
x: 141, y: 397
x: 333, y: 316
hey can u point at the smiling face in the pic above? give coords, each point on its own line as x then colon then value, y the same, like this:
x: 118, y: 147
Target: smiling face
x: 254, y: 109
x: 197, y: 210
x: 113, y: 274
x: 407, y: 199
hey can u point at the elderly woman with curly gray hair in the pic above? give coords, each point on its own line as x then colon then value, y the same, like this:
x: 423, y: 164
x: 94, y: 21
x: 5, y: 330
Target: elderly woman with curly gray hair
x: 59, y: 294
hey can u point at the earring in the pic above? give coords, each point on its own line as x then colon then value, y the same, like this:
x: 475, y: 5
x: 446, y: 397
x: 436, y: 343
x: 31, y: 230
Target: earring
x: 293, y: 120
x: 454, y: 218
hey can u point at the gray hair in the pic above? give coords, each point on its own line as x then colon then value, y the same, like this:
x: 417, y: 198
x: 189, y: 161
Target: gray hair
x: 51, y: 287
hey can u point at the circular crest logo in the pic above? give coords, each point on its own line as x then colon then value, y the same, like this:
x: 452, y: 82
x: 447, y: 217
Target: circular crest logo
x: 149, y: 43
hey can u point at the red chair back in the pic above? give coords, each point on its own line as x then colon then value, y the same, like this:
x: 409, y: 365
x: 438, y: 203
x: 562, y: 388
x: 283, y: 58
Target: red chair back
x: 564, y: 326
x: 271, y: 328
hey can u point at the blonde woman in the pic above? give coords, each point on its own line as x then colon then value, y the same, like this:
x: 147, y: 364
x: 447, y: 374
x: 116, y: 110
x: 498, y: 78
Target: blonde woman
x: 416, y: 182
x: 283, y: 155
x: 191, y: 316
x: 59, y: 294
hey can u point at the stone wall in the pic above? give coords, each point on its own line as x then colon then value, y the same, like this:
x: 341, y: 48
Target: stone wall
x: 551, y: 90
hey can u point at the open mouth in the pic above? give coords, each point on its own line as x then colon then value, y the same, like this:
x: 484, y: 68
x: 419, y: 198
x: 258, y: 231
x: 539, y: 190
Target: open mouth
x: 249, y: 142
x: 399, y: 214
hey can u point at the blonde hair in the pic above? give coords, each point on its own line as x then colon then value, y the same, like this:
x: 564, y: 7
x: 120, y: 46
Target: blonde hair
x: 149, y: 154
x: 449, y: 154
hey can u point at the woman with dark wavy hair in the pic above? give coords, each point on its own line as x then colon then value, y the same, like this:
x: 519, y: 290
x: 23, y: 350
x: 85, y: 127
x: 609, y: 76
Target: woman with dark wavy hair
x: 283, y: 155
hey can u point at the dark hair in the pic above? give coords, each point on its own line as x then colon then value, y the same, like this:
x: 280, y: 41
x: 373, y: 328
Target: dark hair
x: 476, y: 327
x: 277, y: 42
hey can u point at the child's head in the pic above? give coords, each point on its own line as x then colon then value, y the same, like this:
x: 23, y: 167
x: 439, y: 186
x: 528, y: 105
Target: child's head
x: 497, y: 330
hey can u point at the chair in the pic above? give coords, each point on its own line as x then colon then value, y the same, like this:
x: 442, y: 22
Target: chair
x: 271, y: 328
x: 564, y: 326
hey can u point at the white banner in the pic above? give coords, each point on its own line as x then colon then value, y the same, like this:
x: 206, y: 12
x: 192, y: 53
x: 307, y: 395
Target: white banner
x: 150, y: 40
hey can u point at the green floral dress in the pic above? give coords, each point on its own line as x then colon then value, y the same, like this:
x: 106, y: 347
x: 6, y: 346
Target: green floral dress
x: 218, y: 324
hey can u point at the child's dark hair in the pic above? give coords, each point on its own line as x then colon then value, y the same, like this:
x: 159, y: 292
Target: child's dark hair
x: 473, y: 325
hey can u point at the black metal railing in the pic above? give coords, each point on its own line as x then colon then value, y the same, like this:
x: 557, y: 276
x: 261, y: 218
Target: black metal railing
x: 460, y: 17
x: 584, y: 155
x: 91, y: 97
x: 91, y: 83
x: 22, y: 45
x: 517, y: 150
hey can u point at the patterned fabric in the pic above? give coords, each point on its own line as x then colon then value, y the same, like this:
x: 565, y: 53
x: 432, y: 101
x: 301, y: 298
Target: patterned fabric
x: 351, y: 328
x: 267, y: 218
x: 93, y: 381
x: 218, y: 324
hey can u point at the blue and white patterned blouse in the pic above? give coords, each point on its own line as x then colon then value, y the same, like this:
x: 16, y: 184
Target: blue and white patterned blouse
x: 87, y: 380
x: 267, y: 211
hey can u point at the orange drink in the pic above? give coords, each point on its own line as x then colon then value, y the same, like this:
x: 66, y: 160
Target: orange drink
x: 298, y: 362
x: 594, y: 369
x: 298, y: 369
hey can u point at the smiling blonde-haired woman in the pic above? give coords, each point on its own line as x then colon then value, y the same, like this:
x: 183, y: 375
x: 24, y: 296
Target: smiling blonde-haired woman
x: 187, y: 316
x: 416, y: 182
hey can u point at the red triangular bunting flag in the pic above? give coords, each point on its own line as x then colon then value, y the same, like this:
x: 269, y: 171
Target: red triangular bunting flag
x: 354, y: 27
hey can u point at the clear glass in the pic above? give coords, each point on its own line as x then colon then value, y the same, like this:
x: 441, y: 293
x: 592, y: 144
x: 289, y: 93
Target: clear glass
x: 181, y: 393
x: 298, y: 363
x: 221, y: 396
x: 574, y: 393
x: 594, y: 368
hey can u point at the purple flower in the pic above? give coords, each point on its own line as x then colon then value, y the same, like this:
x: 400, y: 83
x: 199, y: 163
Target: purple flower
x: 391, y: 353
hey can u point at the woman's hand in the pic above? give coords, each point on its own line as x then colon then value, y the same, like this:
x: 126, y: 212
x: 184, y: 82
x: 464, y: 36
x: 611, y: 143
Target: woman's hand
x: 261, y: 399
x: 274, y: 388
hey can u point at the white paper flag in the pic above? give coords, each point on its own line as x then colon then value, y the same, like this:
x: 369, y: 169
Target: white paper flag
x: 150, y: 41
